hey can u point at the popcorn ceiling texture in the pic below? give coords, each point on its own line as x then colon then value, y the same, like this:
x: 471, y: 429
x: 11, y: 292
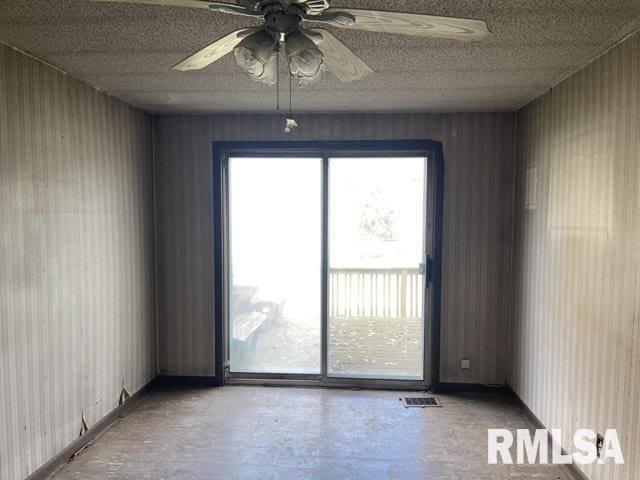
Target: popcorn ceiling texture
x: 128, y: 51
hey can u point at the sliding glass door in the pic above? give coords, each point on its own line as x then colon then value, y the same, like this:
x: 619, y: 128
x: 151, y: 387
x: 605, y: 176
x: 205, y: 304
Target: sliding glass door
x: 275, y: 207
x: 325, y: 257
x: 376, y: 247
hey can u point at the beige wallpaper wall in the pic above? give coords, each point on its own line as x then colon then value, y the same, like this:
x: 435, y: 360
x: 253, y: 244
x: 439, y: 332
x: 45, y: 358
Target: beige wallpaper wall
x: 76, y: 259
x: 575, y: 340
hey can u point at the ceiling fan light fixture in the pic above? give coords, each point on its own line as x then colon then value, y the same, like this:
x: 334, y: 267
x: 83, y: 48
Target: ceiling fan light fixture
x: 256, y: 55
x: 306, y: 61
x: 310, y: 51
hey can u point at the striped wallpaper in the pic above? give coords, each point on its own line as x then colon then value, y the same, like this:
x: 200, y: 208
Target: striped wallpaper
x: 77, y: 295
x: 575, y: 337
x: 76, y: 259
x: 477, y: 228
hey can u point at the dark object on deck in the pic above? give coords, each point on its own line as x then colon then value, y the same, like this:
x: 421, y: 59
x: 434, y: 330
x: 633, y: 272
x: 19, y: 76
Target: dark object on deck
x: 250, y: 316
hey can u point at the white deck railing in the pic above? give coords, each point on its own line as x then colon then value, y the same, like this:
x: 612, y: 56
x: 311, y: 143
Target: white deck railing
x: 375, y: 293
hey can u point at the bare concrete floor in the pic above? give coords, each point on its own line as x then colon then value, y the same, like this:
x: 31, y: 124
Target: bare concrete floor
x: 295, y: 433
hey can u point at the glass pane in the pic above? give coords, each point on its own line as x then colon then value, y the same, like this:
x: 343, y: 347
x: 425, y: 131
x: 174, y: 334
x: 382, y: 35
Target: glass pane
x: 276, y: 256
x: 376, y: 230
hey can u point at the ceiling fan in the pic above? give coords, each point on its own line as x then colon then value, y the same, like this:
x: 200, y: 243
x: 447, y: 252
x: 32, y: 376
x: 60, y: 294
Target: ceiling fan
x: 310, y: 51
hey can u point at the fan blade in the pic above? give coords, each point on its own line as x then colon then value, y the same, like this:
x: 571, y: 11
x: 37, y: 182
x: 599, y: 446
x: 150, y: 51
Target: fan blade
x: 314, y: 7
x: 232, y: 8
x: 215, y: 51
x: 340, y: 61
x: 404, y: 23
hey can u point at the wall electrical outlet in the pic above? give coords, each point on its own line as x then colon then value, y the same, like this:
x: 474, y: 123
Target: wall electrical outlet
x: 465, y: 364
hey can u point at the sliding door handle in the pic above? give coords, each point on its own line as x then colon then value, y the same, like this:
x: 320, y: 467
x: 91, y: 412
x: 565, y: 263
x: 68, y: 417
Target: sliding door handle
x: 426, y: 269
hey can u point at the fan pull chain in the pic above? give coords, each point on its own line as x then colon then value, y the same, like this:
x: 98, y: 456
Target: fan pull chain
x: 278, y: 80
x: 290, y: 96
x: 290, y: 124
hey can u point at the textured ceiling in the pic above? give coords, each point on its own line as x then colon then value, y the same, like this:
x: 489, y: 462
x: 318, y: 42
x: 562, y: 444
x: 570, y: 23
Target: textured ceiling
x: 128, y: 51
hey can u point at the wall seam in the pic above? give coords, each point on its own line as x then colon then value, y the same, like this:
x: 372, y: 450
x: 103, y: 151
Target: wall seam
x: 155, y: 239
x: 70, y: 76
x: 511, y: 270
x: 629, y: 32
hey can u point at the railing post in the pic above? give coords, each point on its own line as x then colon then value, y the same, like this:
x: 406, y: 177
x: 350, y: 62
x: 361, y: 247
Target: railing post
x: 403, y: 294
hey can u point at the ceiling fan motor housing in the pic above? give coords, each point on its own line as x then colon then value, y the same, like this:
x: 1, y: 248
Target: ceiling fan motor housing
x: 302, y: 7
x: 282, y: 22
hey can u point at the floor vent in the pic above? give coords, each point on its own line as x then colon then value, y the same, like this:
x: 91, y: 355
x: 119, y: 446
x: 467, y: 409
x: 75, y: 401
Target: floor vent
x: 421, y: 402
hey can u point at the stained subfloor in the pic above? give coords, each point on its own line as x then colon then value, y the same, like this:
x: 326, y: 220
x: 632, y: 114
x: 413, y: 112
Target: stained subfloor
x: 303, y: 433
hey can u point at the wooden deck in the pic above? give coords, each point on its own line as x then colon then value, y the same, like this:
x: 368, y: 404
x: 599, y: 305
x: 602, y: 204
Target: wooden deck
x: 375, y: 329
